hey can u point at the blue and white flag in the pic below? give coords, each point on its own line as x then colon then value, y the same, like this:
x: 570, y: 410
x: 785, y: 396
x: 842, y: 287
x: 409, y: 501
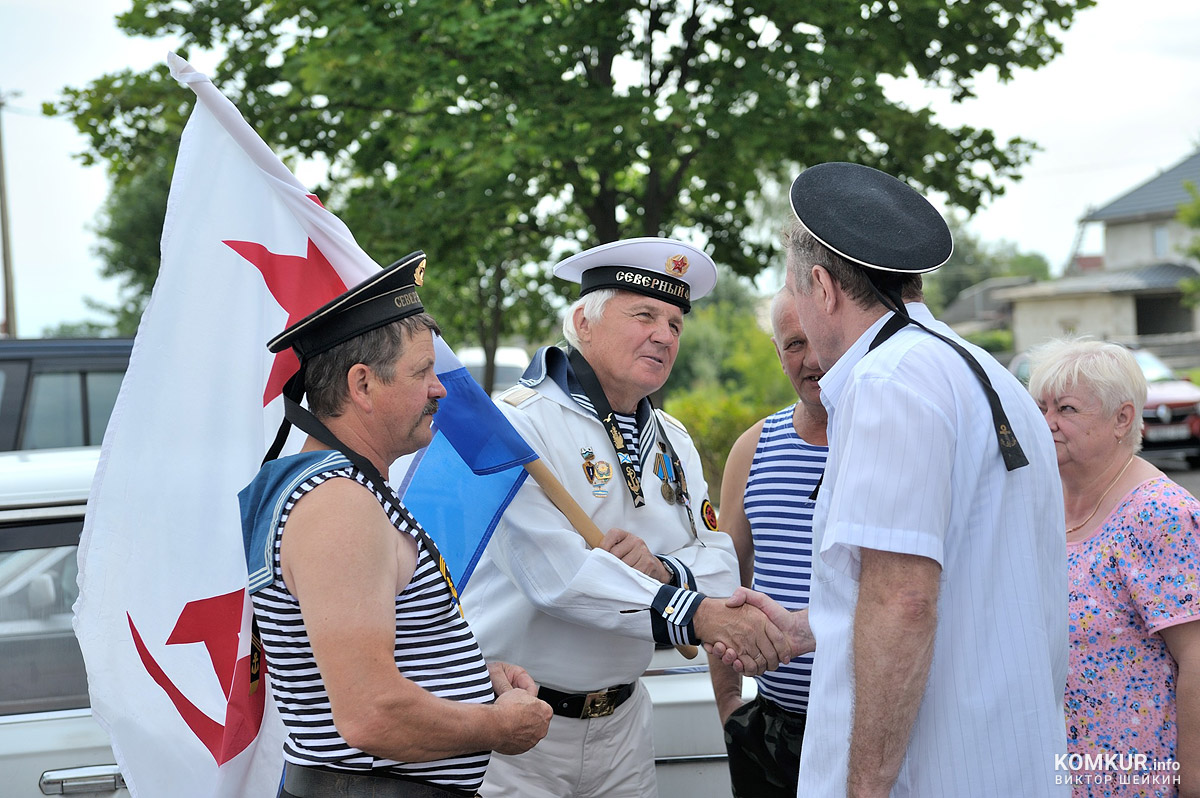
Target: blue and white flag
x: 459, y: 485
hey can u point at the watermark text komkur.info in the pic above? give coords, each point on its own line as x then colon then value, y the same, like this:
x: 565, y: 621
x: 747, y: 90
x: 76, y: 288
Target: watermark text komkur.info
x: 1120, y: 769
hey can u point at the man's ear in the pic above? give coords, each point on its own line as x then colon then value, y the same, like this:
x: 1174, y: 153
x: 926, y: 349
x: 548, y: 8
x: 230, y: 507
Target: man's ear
x: 359, y: 382
x: 583, y: 325
x: 828, y: 291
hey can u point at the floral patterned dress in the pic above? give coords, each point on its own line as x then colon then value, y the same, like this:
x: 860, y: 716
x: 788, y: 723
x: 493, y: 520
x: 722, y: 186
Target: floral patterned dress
x: 1138, y: 574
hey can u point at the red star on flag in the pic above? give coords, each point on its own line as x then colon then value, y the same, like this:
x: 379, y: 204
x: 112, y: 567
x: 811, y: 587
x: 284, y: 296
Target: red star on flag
x: 300, y: 285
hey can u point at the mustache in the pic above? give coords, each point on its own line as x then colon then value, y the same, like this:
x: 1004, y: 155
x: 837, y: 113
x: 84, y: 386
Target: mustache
x: 430, y: 407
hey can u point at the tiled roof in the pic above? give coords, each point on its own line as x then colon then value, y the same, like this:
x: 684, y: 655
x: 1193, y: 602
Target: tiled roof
x: 1159, y: 195
x: 1161, y: 276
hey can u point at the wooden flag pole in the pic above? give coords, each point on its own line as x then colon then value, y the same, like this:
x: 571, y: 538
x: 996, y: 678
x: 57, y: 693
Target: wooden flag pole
x: 582, y: 522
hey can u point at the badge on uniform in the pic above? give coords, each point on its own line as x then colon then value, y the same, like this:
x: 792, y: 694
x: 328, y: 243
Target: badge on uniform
x: 589, y: 468
x: 677, y: 265
x: 709, y: 515
x: 603, y: 475
x: 598, y: 472
x: 664, y: 471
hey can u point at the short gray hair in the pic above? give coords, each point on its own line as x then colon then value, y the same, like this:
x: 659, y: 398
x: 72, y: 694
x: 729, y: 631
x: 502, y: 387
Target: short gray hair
x: 378, y: 350
x: 804, y: 250
x: 1108, y: 371
x: 593, y: 308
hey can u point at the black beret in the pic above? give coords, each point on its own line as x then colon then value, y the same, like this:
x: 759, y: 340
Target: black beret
x: 380, y: 299
x: 871, y: 218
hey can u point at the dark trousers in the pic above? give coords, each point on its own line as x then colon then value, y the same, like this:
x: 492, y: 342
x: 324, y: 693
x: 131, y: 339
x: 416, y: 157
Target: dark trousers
x: 763, y: 740
x: 307, y: 782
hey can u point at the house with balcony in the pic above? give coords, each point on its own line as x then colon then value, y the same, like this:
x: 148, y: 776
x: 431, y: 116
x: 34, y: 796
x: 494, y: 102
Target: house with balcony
x: 1135, y: 295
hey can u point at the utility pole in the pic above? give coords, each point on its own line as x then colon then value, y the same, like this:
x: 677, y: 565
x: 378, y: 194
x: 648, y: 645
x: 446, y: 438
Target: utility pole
x: 10, y: 296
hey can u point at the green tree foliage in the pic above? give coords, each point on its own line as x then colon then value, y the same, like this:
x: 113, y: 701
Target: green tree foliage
x: 130, y: 228
x: 974, y: 261
x: 993, y: 341
x: 727, y: 375
x: 496, y: 130
x: 78, y: 329
x: 1189, y: 214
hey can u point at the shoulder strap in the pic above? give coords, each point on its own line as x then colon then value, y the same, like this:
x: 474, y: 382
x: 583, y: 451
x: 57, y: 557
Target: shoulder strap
x: 307, y: 422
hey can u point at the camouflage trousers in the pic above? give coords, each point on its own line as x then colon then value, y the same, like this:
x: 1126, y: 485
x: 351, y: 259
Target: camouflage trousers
x: 763, y: 740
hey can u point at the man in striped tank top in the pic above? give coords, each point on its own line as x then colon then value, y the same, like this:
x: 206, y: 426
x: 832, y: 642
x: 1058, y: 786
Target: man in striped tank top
x: 765, y: 507
x: 377, y: 677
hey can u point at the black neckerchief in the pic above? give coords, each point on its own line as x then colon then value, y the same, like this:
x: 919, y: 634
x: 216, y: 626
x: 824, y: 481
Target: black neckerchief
x: 582, y: 371
x: 1010, y: 448
x: 595, y: 393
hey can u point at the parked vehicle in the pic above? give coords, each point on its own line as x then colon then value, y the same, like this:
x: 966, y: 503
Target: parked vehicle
x: 510, y: 365
x: 49, y: 741
x: 1171, y: 418
x: 57, y: 392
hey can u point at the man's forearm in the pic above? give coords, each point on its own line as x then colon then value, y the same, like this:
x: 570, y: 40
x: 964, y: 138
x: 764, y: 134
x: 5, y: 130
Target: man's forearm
x: 894, y: 627
x: 727, y: 687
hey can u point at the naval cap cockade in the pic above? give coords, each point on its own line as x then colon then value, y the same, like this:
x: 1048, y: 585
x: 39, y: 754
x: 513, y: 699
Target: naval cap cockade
x: 663, y: 268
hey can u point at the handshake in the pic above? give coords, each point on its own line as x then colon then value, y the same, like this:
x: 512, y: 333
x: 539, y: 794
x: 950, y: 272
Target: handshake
x: 751, y: 633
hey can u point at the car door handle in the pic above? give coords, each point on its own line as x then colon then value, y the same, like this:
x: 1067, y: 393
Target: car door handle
x: 74, y: 781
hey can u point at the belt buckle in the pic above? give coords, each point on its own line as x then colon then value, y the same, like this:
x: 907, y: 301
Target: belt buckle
x: 599, y: 705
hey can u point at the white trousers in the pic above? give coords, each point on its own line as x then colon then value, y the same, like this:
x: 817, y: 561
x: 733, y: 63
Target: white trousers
x: 610, y: 757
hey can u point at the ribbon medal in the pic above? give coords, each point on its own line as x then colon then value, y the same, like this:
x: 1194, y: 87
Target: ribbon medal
x: 664, y: 471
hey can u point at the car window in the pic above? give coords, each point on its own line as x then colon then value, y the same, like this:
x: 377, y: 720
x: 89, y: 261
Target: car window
x: 42, y: 664
x: 1154, y: 369
x: 102, y: 388
x: 69, y: 408
x: 506, y: 376
x: 55, y: 415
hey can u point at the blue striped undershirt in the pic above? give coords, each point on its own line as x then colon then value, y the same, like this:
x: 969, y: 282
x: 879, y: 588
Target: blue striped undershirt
x: 783, y: 474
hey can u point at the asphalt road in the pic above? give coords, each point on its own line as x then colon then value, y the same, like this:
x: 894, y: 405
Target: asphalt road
x: 1178, y: 471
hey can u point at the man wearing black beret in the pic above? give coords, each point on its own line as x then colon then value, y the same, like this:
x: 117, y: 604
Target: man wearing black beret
x: 939, y: 599
x: 380, y: 684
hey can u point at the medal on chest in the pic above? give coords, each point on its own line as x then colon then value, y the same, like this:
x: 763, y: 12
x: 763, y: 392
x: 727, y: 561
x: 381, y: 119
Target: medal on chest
x: 597, y: 472
x: 664, y: 471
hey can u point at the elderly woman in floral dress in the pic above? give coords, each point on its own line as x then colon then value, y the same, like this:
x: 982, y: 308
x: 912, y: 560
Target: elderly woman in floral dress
x: 1133, y: 681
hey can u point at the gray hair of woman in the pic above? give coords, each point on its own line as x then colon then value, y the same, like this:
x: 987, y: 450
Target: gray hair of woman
x: 593, y: 308
x: 1107, y: 371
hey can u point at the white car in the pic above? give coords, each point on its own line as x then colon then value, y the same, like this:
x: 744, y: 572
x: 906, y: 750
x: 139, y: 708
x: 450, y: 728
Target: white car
x: 510, y: 365
x: 49, y: 742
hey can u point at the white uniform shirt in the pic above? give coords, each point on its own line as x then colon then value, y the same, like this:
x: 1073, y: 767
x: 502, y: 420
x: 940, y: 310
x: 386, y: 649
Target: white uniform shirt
x: 577, y: 618
x: 914, y: 467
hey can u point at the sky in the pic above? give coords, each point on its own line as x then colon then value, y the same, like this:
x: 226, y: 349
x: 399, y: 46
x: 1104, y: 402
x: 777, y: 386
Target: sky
x: 1119, y: 105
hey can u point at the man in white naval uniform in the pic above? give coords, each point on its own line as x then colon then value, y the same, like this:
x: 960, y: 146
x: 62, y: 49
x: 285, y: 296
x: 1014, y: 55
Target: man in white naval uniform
x: 584, y: 622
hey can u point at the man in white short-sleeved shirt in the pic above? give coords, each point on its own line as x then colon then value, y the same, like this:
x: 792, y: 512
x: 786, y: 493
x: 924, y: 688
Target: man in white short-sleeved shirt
x: 939, y: 601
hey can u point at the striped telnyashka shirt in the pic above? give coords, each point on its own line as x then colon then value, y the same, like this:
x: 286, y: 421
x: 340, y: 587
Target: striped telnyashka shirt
x: 434, y: 648
x: 783, y: 474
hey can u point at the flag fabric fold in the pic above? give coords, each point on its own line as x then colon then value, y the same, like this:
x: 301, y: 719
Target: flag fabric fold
x: 459, y: 485
x: 163, y: 616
